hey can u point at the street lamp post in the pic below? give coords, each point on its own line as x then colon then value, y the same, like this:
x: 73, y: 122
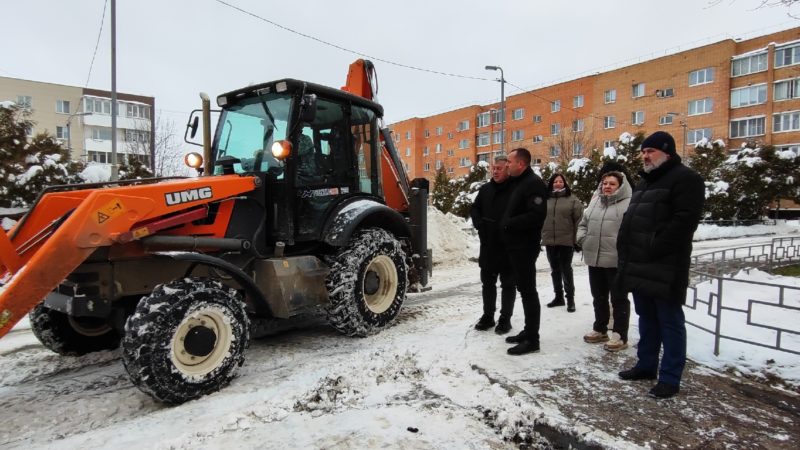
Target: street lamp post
x: 69, y: 130
x: 502, y: 81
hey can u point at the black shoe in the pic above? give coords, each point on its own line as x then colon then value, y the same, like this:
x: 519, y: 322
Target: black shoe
x: 556, y: 302
x: 636, y: 373
x: 516, y: 339
x: 485, y: 323
x: 571, y: 307
x: 503, y: 326
x: 524, y: 347
x: 663, y: 390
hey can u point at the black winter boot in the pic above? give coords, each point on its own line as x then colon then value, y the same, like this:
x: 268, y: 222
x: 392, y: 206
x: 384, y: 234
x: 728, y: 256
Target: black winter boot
x: 484, y: 323
x: 558, y: 301
x: 503, y: 325
x: 570, y: 304
x: 524, y: 347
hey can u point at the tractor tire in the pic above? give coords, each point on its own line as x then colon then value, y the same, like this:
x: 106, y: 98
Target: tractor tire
x: 367, y: 283
x: 186, y: 339
x: 72, y: 336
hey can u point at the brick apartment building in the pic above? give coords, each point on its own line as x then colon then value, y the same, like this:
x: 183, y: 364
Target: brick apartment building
x: 80, y: 118
x: 735, y: 90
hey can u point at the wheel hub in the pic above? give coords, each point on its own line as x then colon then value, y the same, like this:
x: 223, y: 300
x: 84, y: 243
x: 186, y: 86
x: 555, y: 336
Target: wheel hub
x: 371, y: 282
x: 199, y: 341
x: 380, y: 284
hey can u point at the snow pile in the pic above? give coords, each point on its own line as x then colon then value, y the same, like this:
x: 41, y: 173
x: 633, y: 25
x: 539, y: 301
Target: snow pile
x: 96, y: 173
x: 706, y: 232
x: 451, y: 244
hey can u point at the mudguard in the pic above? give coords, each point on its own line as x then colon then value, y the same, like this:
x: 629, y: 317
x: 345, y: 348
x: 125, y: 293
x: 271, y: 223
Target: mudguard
x: 362, y: 213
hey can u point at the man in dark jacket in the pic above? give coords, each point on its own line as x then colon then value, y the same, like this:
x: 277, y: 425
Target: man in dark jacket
x: 522, y: 234
x: 486, y: 212
x: 654, y: 247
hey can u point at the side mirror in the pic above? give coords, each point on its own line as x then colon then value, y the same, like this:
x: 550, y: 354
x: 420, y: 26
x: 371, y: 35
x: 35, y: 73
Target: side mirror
x: 193, y: 126
x: 308, y: 108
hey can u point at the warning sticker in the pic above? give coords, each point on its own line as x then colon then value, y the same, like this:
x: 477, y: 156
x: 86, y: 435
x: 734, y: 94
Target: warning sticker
x: 109, y: 211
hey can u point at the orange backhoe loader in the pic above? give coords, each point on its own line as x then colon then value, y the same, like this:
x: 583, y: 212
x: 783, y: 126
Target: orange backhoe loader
x: 301, y: 203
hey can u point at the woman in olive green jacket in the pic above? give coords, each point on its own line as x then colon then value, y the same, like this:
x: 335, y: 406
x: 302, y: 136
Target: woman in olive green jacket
x: 558, y: 236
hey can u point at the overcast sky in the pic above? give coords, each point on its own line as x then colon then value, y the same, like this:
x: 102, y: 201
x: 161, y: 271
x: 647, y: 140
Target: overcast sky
x: 173, y: 49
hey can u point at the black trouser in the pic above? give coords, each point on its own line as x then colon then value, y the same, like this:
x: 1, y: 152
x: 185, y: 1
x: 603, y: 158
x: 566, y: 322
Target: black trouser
x: 508, y: 292
x: 560, y: 259
x: 602, y: 281
x: 524, y: 264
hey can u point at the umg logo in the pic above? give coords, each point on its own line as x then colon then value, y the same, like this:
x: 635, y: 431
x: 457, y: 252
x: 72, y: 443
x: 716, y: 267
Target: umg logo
x: 189, y: 195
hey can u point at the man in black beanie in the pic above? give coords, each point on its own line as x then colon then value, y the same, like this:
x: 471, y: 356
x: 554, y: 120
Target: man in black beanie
x: 654, y: 247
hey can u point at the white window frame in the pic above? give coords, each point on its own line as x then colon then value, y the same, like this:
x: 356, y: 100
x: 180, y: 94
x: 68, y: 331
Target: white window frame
x: 426, y: 167
x: 517, y: 135
x: 759, y: 60
x: 438, y: 148
x: 450, y: 170
x: 425, y: 151
x: 790, y: 147
x: 439, y: 164
x: 537, y: 119
x: 792, y: 89
x: 426, y: 133
x: 700, y: 106
x: 439, y: 131
x: 638, y: 90
x: 408, y: 135
x: 538, y: 138
x: 610, y: 96
x: 518, y: 114
x: 483, y: 139
x: 755, y: 95
x: 609, y: 122
x: 609, y: 144
x: 62, y: 106
x: 750, y: 123
x: 577, y: 125
x: 665, y: 93
x: 555, y: 151
x: 25, y: 101
x: 555, y: 106
x: 577, y: 149
x: 464, y: 161
x: 483, y: 120
x: 451, y: 152
x: 555, y: 129
x: 408, y: 151
x: 794, y: 55
x: 665, y: 120
x: 696, y: 135
x: 635, y: 118
x: 497, y: 135
x: 786, y: 121
x: 701, y: 76
x: 463, y: 125
x: 62, y: 132
x: 497, y: 115
x: 577, y: 101
x: 463, y: 144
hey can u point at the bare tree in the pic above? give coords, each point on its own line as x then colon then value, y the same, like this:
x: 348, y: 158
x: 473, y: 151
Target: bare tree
x: 788, y: 4
x: 571, y: 144
x: 167, y: 155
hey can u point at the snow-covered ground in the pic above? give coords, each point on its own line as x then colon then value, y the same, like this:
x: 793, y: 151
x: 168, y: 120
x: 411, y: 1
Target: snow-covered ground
x: 429, y: 381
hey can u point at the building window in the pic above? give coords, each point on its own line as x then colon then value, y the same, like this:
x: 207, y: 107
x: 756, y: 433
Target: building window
x: 451, y: 153
x: 637, y: 90
x: 426, y: 167
x: 463, y: 162
x: 665, y: 93
x: 483, y: 139
x: 786, y: 121
x: 62, y: 133
x: 24, y: 101
x: 695, y: 136
x: 750, y: 95
x: 450, y: 170
x: 537, y: 138
x: 637, y: 117
x: 99, y: 157
x: 577, y: 101
x: 497, y: 137
x: 577, y: 149
x: 101, y: 134
x: 426, y: 133
x: 787, y: 56
x: 610, y: 96
x: 425, y: 151
x: 786, y: 89
x: 742, y: 128
x: 537, y: 119
x: 483, y: 119
x: 408, y: 151
x: 702, y: 106
x: 449, y: 135
x: 609, y: 122
x: 608, y: 144
x: 498, y: 115
x: 439, y: 131
x: 517, y: 135
x: 790, y: 147
x: 483, y: 157
x: 438, y: 148
x: 555, y: 129
x: 62, y: 106
x: 463, y: 125
x: 137, y: 111
x: 577, y: 125
x: 137, y: 136
x: 555, y: 106
x: 518, y: 114
x: 438, y: 165
x: 701, y: 76
x: 554, y: 151
x: 463, y: 143
x: 749, y: 64
x: 665, y: 120
x: 408, y: 135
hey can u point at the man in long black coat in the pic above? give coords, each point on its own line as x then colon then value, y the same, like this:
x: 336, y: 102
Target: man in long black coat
x: 486, y: 212
x: 655, y: 247
x: 522, y: 233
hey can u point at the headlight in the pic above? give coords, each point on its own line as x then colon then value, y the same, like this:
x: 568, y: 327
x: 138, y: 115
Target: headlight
x: 281, y: 149
x: 193, y: 160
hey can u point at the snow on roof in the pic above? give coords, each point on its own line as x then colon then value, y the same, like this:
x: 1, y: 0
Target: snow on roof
x: 750, y: 53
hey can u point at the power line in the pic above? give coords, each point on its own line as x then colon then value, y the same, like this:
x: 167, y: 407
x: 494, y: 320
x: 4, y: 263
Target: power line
x: 97, y: 44
x: 344, y: 49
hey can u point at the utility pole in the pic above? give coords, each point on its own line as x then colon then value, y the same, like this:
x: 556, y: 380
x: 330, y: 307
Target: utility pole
x: 114, y: 165
x: 502, y: 81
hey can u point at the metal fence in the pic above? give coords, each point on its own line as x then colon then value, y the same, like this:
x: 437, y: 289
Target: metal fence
x: 769, y: 315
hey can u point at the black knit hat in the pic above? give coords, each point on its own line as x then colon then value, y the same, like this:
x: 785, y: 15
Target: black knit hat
x: 660, y: 140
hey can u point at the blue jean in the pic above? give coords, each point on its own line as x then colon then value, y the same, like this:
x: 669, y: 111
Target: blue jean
x: 661, y: 322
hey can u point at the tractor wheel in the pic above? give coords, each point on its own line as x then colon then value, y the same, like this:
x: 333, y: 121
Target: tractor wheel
x: 367, y: 283
x: 73, y: 336
x: 186, y: 339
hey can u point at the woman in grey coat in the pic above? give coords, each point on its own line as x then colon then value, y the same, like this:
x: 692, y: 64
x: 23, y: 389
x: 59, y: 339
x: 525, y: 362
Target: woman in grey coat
x: 558, y: 236
x: 597, y: 234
